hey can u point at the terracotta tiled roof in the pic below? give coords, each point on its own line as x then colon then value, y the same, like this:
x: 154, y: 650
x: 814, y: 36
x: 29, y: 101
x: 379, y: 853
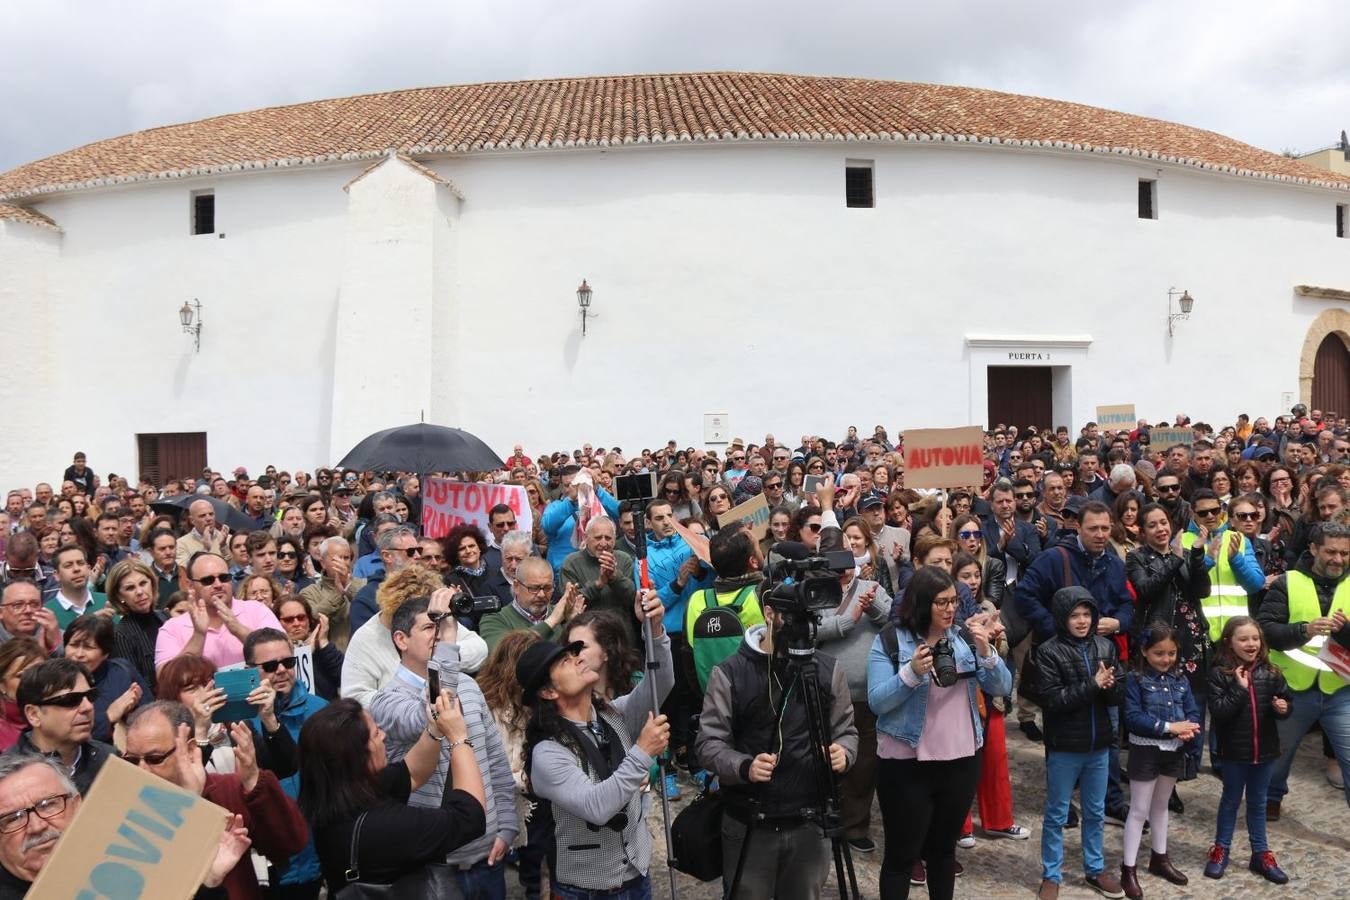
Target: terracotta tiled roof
x: 31, y: 216
x: 636, y: 109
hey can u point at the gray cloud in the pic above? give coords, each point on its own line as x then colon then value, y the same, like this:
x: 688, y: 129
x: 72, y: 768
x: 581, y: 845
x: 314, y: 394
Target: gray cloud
x: 76, y: 72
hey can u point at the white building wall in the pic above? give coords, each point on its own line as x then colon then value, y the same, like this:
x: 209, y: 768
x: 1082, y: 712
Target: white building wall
x: 727, y: 279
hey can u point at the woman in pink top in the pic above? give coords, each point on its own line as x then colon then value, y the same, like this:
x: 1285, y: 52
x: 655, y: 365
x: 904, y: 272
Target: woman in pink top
x: 922, y: 677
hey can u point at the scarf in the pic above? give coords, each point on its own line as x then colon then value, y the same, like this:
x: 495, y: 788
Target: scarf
x: 473, y: 573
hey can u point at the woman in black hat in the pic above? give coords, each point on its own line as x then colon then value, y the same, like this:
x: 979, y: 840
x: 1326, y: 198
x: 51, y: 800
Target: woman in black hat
x: 579, y: 754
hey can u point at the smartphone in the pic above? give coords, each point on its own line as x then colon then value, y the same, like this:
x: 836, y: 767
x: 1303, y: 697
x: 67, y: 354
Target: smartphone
x: 811, y: 482
x: 237, y: 685
x: 433, y: 684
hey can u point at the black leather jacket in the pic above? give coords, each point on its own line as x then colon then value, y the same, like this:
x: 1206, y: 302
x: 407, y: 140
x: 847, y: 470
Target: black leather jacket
x: 1244, y: 719
x: 995, y: 586
x: 1160, y: 579
x: 1075, y: 709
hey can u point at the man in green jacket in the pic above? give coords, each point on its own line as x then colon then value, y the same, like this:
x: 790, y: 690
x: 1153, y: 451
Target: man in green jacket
x: 72, y: 596
x: 603, y: 574
x: 531, y: 592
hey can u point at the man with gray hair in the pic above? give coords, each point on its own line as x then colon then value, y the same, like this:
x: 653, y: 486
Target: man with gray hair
x: 398, y: 549
x: 206, y: 535
x: 516, y: 547
x: 1121, y: 481
x: 38, y: 801
x: 532, y: 591
x: 333, y: 594
x: 602, y: 573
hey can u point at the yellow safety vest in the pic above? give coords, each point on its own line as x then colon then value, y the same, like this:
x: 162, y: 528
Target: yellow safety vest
x: 1301, y: 667
x: 1226, y: 597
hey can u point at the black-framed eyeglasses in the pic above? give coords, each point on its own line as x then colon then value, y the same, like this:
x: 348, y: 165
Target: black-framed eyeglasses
x: 1025, y: 495
x: 208, y: 580
x: 287, y: 554
x: 271, y: 665
x: 46, y: 808
x: 152, y: 759
x: 1168, y: 488
x: 70, y: 699
x: 539, y: 590
x: 509, y: 524
x: 1208, y: 511
x: 409, y: 552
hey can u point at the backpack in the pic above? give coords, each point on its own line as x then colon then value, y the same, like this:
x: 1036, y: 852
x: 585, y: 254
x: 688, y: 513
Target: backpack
x: 717, y: 632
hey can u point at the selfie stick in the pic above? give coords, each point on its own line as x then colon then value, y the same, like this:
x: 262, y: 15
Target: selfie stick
x: 640, y: 545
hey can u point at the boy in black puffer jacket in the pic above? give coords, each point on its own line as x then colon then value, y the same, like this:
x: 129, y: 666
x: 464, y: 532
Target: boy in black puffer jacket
x: 1080, y: 678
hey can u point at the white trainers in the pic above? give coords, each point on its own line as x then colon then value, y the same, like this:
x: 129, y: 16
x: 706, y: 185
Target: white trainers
x: 966, y: 842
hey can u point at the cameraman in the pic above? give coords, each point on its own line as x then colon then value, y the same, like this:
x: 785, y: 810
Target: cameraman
x: 765, y: 765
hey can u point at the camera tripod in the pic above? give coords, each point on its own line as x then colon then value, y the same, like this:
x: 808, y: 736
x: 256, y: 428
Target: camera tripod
x: 802, y: 672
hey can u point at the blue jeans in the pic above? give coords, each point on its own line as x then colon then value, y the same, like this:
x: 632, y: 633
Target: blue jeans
x: 1061, y: 771
x: 1254, y: 778
x: 483, y: 882
x: 641, y: 890
x: 1333, y: 711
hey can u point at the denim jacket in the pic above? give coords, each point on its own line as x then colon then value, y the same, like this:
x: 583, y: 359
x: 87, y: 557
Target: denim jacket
x: 900, y: 699
x: 1153, y: 700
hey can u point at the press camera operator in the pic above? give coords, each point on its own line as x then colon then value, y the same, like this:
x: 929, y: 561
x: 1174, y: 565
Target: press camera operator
x: 766, y: 766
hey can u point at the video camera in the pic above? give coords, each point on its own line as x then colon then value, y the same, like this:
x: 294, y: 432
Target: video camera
x: 464, y: 606
x: 799, y: 586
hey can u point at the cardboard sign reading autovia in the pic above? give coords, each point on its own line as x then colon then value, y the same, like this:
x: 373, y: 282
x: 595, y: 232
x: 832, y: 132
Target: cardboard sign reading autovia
x: 944, y: 457
x: 135, y: 835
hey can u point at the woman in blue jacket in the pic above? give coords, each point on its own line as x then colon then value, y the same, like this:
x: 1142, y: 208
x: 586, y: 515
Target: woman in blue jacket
x: 922, y: 677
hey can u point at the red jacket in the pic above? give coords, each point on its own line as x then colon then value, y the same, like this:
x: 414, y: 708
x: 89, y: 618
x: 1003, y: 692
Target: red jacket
x: 273, y: 822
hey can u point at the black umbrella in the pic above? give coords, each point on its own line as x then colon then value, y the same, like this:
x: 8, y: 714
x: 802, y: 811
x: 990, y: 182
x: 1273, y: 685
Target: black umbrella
x: 422, y: 448
x: 226, y: 514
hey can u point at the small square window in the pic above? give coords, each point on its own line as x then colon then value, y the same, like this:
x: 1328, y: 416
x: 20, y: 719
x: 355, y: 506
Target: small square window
x: 203, y: 212
x: 858, y: 192
x: 1342, y: 213
x: 1148, y: 198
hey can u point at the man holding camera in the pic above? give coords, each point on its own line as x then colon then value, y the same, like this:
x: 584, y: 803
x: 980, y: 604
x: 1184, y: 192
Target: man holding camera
x: 766, y: 765
x: 425, y: 634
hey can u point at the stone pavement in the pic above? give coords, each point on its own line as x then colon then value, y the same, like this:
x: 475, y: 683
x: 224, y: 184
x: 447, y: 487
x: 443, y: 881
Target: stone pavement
x: 1312, y: 842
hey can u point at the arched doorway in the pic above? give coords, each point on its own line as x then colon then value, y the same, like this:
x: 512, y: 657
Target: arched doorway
x: 1331, y: 375
x: 1324, y: 366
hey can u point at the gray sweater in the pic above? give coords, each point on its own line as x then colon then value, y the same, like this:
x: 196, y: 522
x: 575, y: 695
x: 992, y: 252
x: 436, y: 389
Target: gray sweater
x: 850, y: 642
x: 400, y: 708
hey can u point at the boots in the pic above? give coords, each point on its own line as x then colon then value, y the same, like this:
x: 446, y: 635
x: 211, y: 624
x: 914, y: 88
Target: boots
x: 1160, y: 865
x: 1129, y: 882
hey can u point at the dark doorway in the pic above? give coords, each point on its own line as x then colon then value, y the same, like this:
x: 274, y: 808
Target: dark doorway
x: 1331, y: 376
x: 1020, y: 395
x: 163, y: 457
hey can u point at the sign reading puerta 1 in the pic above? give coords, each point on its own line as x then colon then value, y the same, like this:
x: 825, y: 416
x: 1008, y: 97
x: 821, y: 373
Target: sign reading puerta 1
x: 447, y: 503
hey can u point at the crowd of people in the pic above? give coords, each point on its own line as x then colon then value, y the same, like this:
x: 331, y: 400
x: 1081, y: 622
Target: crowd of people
x: 374, y: 705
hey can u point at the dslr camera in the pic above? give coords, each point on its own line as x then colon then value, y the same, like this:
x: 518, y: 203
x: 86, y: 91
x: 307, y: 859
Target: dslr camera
x: 944, y: 663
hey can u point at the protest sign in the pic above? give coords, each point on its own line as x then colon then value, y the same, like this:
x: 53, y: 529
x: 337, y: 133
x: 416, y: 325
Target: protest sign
x: 1117, y: 417
x: 1162, y: 438
x: 447, y: 503
x: 136, y: 835
x: 944, y: 457
x: 754, y: 511
x: 1337, y: 657
x: 304, y: 666
x: 697, y: 542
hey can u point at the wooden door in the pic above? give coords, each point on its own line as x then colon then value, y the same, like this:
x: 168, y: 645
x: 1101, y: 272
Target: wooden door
x: 1019, y: 395
x: 1331, y: 376
x: 164, y: 457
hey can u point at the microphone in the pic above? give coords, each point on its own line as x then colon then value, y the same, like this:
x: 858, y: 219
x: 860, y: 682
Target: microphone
x: 794, y: 550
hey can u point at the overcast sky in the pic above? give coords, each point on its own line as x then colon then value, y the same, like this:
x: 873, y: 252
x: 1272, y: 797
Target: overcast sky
x: 1272, y: 74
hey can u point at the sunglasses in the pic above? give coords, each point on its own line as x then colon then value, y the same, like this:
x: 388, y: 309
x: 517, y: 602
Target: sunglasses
x: 1208, y: 511
x: 208, y: 580
x: 1168, y: 488
x: 812, y: 526
x: 153, y: 759
x: 271, y: 665
x: 70, y: 700
x: 291, y: 620
x: 1247, y: 516
x: 969, y: 535
x: 410, y: 552
x: 1026, y: 495
x: 288, y: 554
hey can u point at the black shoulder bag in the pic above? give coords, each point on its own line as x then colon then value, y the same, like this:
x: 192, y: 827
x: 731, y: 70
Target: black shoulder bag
x: 433, y: 879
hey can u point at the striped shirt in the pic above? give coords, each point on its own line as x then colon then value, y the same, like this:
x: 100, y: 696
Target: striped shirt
x: 400, y: 708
